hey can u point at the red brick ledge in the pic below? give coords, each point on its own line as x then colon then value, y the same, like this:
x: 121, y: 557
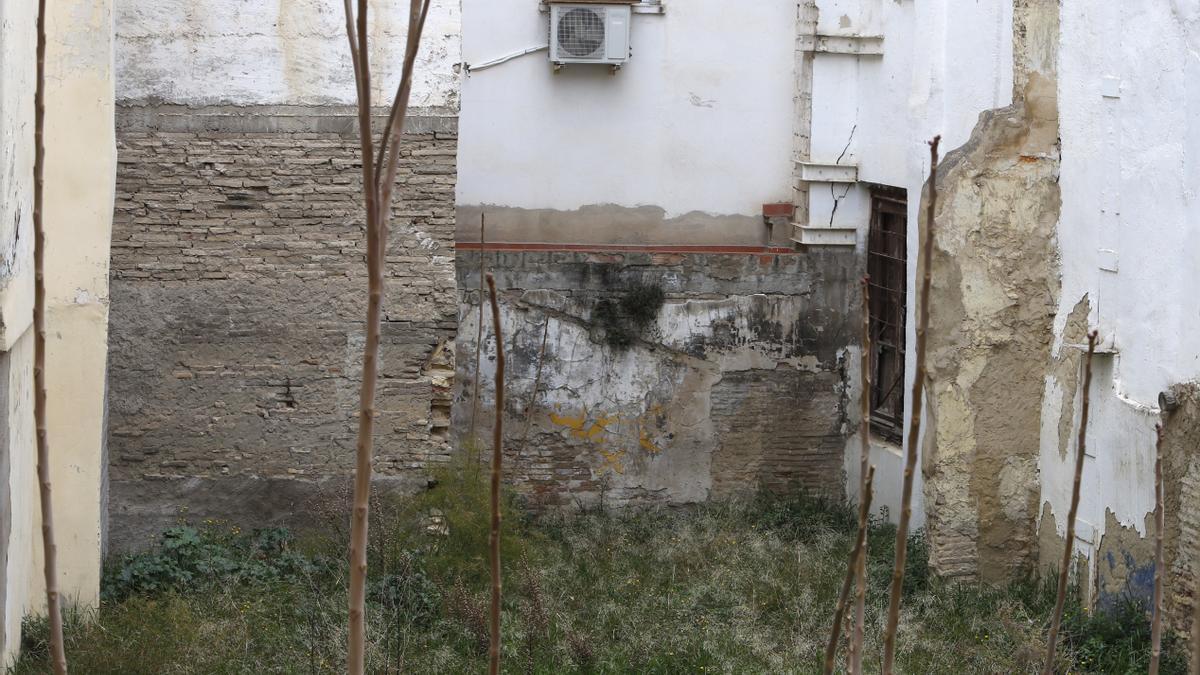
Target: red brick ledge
x: 624, y: 248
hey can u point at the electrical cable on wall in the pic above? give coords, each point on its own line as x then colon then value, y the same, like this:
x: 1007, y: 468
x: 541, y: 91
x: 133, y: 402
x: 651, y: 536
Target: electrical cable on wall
x: 503, y: 59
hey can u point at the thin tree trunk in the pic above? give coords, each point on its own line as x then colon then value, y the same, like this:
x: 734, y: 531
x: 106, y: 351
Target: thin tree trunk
x: 1159, y: 559
x: 914, y: 427
x: 378, y: 182
x: 53, y: 602
x: 478, y: 337
x: 864, y: 509
x: 537, y: 383
x: 864, y: 432
x: 497, y: 458
x: 1069, y: 547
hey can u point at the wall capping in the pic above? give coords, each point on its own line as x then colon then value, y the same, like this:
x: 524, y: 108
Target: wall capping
x: 322, y: 119
x: 623, y: 248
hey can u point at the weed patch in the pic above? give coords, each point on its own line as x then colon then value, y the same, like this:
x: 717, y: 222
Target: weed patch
x: 738, y: 586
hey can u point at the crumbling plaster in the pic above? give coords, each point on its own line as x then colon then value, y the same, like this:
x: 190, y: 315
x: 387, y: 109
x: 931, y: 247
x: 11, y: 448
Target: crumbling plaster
x: 737, y: 384
x: 942, y: 63
x: 1129, y: 239
x: 278, y: 51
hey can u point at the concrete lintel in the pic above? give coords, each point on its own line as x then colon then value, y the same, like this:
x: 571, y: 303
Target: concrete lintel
x: 337, y: 119
x: 818, y: 172
x: 825, y: 236
x: 855, y: 45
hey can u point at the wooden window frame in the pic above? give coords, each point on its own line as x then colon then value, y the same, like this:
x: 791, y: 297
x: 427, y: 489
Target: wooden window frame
x: 887, y: 266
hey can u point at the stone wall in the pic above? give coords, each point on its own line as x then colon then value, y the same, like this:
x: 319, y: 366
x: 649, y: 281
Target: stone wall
x: 735, y: 383
x: 238, y: 299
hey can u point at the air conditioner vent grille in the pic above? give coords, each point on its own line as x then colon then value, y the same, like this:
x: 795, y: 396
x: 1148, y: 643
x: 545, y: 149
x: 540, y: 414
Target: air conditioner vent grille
x: 581, y: 33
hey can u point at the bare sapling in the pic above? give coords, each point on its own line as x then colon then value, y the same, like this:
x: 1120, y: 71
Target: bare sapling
x: 1064, y: 571
x: 58, y: 655
x: 859, y: 552
x: 925, y: 262
x: 474, y: 441
x: 497, y: 458
x: 379, y: 178
x: 1159, y: 558
x: 537, y: 384
x: 864, y: 432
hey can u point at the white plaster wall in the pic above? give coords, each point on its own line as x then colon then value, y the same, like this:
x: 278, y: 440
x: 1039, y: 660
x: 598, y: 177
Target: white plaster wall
x: 80, y: 171
x: 700, y: 119
x: 944, y: 62
x: 17, y: 74
x: 81, y: 161
x: 247, y: 52
x: 1129, y: 91
x: 26, y: 590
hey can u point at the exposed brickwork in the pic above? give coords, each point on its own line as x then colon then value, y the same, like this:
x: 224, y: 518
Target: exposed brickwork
x: 1181, y: 488
x: 737, y: 383
x: 238, y: 298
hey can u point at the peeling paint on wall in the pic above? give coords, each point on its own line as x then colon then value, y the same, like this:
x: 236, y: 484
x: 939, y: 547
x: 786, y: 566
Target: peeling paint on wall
x: 737, y: 384
x: 287, y: 51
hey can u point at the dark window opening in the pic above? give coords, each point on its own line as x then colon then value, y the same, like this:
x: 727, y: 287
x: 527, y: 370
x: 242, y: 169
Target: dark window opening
x: 887, y: 265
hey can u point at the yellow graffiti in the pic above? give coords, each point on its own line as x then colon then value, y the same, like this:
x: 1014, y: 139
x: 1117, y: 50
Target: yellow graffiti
x: 605, y: 431
x: 647, y: 444
x: 612, y: 460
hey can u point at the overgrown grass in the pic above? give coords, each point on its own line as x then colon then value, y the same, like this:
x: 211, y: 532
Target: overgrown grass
x: 735, y: 587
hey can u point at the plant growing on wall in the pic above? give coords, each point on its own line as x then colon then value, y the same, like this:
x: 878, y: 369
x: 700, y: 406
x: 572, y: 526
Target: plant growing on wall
x: 379, y: 168
x: 50, y: 559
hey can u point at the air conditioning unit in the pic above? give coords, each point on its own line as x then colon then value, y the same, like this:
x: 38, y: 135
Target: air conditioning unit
x: 589, y: 33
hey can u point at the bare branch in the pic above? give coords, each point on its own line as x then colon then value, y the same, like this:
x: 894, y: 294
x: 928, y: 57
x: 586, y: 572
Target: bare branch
x: 395, y: 126
x: 914, y: 427
x: 58, y: 654
x: 478, y: 335
x: 864, y: 431
x: 497, y: 459
x: 537, y: 383
x: 417, y: 11
x: 864, y: 510
x: 1069, y: 547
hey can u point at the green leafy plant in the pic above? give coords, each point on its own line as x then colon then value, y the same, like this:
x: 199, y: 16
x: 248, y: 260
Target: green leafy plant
x: 187, y: 559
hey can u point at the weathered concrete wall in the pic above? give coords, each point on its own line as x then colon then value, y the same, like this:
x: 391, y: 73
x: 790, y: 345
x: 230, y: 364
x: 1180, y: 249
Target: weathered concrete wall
x: 202, y: 52
x: 738, y: 381
x: 238, y: 305
x: 996, y: 287
x: 80, y: 164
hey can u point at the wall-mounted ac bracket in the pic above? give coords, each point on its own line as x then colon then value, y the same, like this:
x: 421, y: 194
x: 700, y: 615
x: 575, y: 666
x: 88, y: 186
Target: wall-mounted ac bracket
x: 638, y: 8
x: 855, y: 45
x: 815, y: 235
x: 816, y: 172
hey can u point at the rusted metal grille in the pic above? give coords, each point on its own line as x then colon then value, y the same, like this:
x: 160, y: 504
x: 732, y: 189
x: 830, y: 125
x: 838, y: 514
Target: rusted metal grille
x: 887, y: 264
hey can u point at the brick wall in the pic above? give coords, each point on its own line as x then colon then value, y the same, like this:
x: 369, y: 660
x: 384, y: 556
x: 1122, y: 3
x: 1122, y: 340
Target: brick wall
x: 738, y: 383
x: 238, y: 297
